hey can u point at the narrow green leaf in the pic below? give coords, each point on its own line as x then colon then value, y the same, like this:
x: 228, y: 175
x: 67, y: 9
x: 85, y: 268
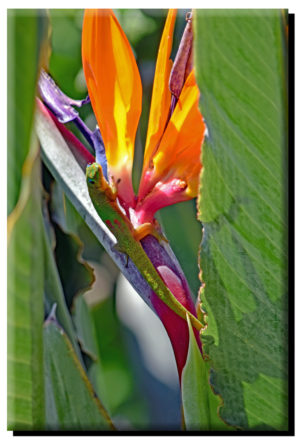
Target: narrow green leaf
x: 25, y: 33
x: 240, y: 59
x: 71, y: 400
x: 200, y: 404
x: 25, y: 312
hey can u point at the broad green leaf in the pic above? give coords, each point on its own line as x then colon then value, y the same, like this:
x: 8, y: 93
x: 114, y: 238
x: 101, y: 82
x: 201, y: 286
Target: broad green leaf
x: 240, y: 61
x: 72, y: 402
x: 25, y: 312
x: 26, y: 39
x: 25, y: 33
x: 266, y: 391
x: 200, y: 404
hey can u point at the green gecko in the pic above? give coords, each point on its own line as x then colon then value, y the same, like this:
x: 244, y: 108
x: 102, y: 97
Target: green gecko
x: 104, y: 201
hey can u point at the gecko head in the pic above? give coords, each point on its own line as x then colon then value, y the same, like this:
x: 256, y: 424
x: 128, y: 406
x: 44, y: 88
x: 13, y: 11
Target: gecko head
x: 93, y: 173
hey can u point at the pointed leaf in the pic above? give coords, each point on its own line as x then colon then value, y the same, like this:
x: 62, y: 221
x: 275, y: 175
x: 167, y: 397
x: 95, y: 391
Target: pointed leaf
x: 200, y: 404
x: 72, y: 402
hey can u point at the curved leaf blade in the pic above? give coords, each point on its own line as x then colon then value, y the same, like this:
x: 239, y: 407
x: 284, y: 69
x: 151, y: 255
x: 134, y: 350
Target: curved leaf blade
x: 72, y: 402
x: 27, y: 39
x: 200, y: 404
x: 240, y: 60
x: 25, y: 33
x: 25, y: 311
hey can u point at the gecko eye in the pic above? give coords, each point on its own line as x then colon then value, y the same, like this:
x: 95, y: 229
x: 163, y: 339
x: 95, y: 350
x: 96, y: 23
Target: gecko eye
x: 91, y: 181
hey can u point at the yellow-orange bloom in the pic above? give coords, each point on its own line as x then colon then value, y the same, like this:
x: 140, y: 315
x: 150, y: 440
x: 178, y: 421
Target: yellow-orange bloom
x: 161, y: 95
x: 114, y: 87
x: 172, y: 154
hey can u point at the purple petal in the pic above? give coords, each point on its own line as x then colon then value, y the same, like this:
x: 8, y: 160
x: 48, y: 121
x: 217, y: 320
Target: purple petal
x: 60, y: 104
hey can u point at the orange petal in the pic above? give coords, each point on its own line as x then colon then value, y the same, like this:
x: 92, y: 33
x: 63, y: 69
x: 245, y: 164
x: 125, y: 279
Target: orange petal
x: 161, y: 95
x: 179, y: 151
x: 114, y: 86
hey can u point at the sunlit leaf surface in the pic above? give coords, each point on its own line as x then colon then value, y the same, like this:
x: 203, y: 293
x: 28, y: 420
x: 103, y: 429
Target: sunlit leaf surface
x: 240, y: 59
x: 25, y: 312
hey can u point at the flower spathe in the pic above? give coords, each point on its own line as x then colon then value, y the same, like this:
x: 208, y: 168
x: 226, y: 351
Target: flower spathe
x: 172, y: 153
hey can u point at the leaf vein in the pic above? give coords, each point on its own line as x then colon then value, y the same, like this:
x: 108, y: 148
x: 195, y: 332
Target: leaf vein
x: 244, y: 78
x: 249, y: 215
x: 230, y: 125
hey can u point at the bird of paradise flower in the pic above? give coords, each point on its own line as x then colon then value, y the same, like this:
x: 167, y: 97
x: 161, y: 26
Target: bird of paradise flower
x: 175, y: 130
x: 175, y: 135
